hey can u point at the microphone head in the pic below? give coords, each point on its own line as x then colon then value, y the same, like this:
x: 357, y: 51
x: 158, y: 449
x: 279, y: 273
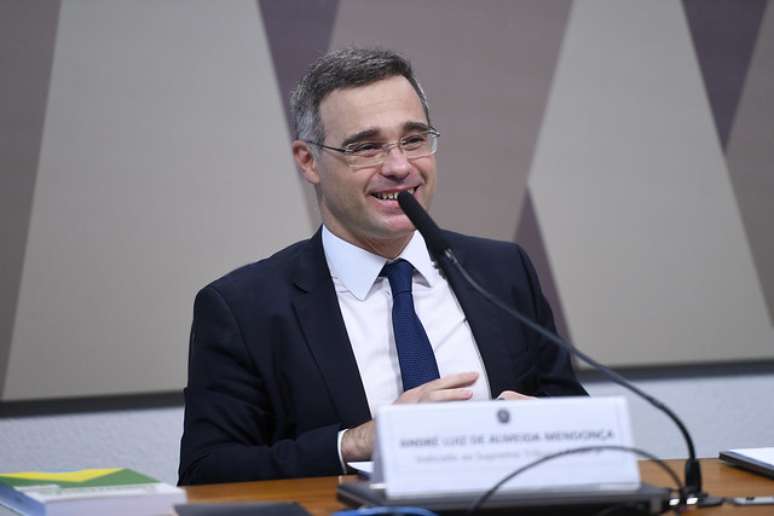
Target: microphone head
x: 432, y: 234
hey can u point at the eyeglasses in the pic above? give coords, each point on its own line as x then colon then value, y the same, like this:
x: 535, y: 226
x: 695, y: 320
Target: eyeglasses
x: 371, y: 154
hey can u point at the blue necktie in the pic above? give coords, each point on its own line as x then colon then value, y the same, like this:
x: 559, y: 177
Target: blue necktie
x: 415, y: 355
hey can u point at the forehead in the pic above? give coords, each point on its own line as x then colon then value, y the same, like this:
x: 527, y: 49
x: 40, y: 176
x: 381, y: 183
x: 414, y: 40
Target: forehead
x: 385, y: 106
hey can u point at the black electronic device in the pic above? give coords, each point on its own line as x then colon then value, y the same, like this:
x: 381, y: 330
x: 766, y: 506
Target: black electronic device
x: 645, y: 498
x: 751, y: 459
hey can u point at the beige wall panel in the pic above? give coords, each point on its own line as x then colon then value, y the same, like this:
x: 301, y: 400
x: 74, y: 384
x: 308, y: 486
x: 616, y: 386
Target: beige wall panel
x: 27, y: 36
x: 751, y: 156
x: 486, y: 67
x: 165, y: 163
x: 634, y: 199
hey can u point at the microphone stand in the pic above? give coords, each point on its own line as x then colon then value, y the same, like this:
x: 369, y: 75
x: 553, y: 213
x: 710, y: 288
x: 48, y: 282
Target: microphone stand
x: 440, y: 248
x: 693, y: 480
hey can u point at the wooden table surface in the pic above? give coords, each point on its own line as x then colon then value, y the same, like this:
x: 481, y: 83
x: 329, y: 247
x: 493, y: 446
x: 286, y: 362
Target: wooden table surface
x: 318, y: 495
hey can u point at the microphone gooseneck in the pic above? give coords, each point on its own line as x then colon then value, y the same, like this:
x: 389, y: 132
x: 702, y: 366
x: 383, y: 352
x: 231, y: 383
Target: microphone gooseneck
x: 440, y: 248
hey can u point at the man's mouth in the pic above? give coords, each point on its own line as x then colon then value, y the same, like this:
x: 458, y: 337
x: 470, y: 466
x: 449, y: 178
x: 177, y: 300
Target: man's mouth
x: 391, y: 196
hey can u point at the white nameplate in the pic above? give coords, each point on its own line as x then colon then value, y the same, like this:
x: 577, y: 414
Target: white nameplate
x: 466, y: 447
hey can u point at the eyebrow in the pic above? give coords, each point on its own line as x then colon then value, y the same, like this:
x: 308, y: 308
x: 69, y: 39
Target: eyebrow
x: 366, y: 134
x: 371, y: 133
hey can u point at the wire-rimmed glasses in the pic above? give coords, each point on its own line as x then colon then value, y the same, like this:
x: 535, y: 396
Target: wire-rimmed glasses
x: 370, y: 154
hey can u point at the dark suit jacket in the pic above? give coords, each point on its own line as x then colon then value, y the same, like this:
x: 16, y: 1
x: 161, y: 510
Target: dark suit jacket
x: 272, y: 377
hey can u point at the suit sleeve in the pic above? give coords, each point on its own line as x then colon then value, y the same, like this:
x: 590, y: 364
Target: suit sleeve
x: 230, y: 427
x: 555, y: 371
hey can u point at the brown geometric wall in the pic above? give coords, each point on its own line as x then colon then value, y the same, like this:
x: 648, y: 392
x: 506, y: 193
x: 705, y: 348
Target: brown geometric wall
x: 724, y: 34
x: 750, y: 154
x: 734, y: 44
x: 162, y: 162
x: 27, y: 34
x: 633, y: 194
x: 145, y: 152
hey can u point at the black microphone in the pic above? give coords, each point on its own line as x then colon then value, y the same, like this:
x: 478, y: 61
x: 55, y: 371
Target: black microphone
x: 439, y: 246
x: 436, y: 242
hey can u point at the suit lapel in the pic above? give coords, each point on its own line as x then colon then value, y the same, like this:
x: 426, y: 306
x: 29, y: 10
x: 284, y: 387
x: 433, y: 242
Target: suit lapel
x: 318, y: 313
x: 487, y: 326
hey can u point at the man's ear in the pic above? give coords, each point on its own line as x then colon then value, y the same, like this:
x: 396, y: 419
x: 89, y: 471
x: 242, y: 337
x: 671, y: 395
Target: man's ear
x: 307, y: 163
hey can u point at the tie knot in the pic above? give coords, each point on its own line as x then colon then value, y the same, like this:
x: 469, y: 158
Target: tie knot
x: 399, y: 273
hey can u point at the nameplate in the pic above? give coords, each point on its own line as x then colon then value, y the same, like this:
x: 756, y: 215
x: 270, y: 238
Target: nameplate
x: 466, y: 447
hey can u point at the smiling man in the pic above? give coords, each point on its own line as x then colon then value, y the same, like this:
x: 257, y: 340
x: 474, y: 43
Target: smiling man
x: 358, y: 182
x: 291, y: 356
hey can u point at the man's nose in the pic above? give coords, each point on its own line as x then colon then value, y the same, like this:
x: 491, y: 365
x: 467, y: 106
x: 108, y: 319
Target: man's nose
x: 396, y: 163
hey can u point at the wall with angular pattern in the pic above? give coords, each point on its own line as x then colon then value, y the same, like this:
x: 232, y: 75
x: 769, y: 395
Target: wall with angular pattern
x: 144, y: 152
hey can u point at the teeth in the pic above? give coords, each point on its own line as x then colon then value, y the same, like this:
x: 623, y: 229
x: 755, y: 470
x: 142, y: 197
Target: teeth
x: 391, y: 196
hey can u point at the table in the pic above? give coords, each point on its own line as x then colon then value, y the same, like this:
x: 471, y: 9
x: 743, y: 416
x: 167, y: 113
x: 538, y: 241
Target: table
x: 318, y: 495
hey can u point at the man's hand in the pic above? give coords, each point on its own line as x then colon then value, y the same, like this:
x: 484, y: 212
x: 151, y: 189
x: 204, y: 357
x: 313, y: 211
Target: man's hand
x: 358, y: 443
x: 513, y: 395
x: 448, y: 388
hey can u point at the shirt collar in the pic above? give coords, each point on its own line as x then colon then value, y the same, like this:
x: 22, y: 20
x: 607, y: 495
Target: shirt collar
x: 358, y: 269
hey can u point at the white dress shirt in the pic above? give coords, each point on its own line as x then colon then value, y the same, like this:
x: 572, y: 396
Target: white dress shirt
x: 365, y: 300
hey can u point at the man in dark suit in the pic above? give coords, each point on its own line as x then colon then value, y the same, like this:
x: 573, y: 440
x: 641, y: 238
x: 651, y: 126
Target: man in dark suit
x: 291, y: 356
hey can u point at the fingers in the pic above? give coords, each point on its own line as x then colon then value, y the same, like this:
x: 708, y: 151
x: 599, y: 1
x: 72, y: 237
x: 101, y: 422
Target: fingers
x: 448, y: 388
x: 513, y: 395
x: 448, y: 395
x: 451, y: 381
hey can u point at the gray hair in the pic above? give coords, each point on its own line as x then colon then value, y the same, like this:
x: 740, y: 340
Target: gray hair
x: 346, y: 68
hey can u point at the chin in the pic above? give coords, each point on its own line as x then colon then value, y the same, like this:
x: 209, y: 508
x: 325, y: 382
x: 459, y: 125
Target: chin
x: 400, y: 227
